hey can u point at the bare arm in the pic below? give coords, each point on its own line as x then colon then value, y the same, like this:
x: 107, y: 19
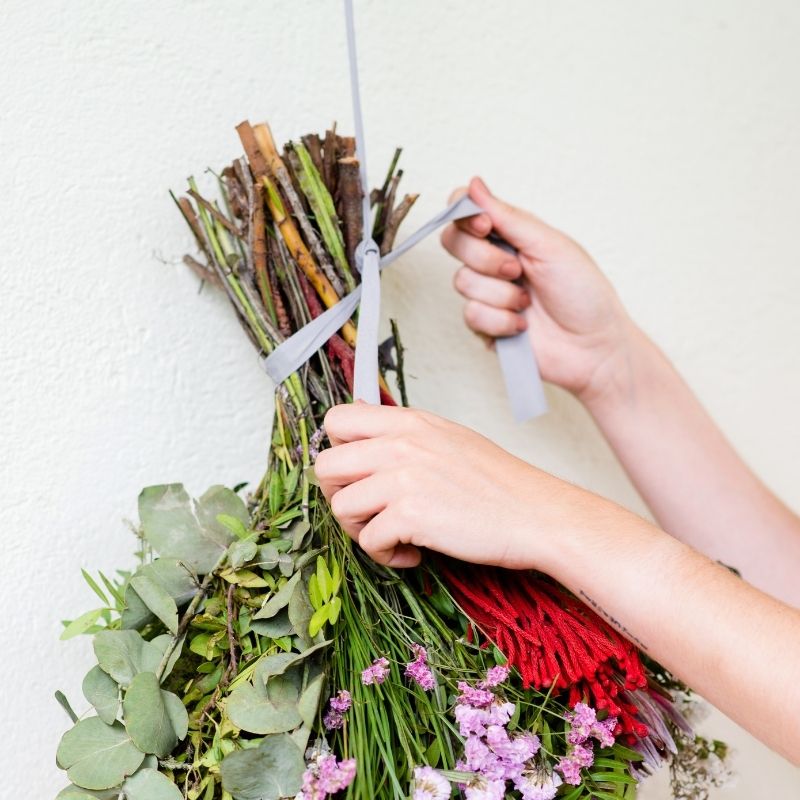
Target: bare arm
x: 696, y: 485
x: 694, y: 482
x: 400, y: 480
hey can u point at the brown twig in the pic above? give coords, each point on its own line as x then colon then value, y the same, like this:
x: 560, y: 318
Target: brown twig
x: 330, y: 155
x: 394, y: 222
x: 202, y: 271
x: 215, y: 212
x: 280, y: 172
x: 350, y: 205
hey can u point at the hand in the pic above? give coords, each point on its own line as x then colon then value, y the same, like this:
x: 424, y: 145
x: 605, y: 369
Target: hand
x: 400, y: 479
x: 574, y: 317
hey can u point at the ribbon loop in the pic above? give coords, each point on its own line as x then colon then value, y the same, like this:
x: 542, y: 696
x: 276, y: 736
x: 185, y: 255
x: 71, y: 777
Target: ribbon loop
x: 516, y: 355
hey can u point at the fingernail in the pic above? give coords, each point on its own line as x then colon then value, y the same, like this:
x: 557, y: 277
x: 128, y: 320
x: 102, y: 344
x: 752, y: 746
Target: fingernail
x: 481, y: 184
x: 510, y: 269
x: 524, y: 300
x: 522, y: 323
x: 481, y: 224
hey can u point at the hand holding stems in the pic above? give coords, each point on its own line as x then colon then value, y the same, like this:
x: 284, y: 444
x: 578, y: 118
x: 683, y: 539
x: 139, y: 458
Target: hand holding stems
x: 400, y: 480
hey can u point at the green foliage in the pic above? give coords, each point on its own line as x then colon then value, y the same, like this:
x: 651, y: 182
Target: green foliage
x: 268, y: 772
x: 98, y: 756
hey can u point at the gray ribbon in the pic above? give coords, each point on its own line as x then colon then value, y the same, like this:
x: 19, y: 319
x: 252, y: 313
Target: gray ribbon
x: 517, y: 358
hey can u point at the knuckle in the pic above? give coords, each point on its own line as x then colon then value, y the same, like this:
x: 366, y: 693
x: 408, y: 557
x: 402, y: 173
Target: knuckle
x: 473, y: 313
x: 323, y: 464
x: 462, y: 279
x: 339, y: 505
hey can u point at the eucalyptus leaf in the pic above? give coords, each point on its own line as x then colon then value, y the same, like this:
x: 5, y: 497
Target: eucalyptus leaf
x: 96, y: 755
x: 269, y: 772
x: 299, y: 532
x: 268, y: 556
x: 279, y: 625
x: 308, y: 704
x: 102, y: 691
x: 178, y: 527
x: 279, y: 600
x: 162, y: 643
x: 157, y: 600
x: 123, y: 654
x: 73, y: 792
x: 241, y: 551
x: 173, y: 576
x: 156, y: 719
x: 149, y: 784
x: 270, y: 708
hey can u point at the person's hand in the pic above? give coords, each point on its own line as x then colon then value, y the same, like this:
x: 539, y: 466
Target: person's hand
x: 575, y: 319
x: 399, y: 480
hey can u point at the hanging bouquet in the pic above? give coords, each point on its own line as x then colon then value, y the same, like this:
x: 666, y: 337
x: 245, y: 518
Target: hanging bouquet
x: 256, y: 654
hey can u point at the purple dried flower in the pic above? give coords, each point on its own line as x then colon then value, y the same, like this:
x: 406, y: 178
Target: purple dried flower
x: 471, y: 696
x: 342, y: 701
x: 377, y: 672
x: 494, y: 677
x: 325, y: 776
x: 418, y: 669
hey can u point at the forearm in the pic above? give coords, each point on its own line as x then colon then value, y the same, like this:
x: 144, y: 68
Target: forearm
x: 733, y: 644
x: 696, y: 485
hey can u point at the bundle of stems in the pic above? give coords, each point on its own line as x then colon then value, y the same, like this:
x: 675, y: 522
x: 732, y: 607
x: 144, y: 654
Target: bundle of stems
x: 280, y: 241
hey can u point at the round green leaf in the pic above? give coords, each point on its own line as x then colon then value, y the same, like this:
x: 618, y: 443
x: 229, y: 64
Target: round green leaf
x: 269, y: 772
x: 178, y: 527
x: 174, y: 577
x: 266, y: 709
x: 156, y: 598
x: 102, y: 691
x: 123, y: 654
x: 96, y: 755
x: 73, y: 792
x: 149, y: 784
x: 156, y: 719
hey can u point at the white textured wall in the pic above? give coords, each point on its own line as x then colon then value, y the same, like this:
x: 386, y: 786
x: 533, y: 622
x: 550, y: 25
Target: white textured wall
x: 661, y: 135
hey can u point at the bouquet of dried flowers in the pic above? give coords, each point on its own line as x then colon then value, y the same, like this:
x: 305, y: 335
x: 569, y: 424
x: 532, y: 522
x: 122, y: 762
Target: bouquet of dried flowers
x: 256, y: 654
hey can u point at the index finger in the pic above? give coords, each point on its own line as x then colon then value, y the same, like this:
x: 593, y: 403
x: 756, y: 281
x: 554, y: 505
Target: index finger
x: 352, y: 421
x: 478, y: 224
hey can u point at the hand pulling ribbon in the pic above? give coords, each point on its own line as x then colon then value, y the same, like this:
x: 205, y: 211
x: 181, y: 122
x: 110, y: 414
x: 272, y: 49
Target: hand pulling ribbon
x: 517, y: 359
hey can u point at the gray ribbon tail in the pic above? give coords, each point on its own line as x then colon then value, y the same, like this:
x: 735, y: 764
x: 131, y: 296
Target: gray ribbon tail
x: 521, y: 375
x: 365, y: 374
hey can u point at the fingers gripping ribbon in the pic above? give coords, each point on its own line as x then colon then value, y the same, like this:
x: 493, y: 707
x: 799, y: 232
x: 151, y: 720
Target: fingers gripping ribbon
x: 516, y: 355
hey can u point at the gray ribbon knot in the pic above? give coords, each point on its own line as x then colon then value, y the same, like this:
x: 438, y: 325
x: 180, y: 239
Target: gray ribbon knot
x: 517, y: 359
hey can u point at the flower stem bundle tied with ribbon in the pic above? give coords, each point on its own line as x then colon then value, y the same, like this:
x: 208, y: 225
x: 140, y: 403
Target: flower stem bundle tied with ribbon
x: 255, y: 653
x: 516, y: 355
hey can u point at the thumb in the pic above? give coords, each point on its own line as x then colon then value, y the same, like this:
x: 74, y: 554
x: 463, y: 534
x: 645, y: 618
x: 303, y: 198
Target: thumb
x: 519, y: 228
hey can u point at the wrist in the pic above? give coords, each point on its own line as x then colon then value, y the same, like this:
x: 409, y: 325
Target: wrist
x: 619, y: 372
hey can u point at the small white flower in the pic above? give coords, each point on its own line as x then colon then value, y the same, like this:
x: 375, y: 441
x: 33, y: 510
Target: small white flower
x: 429, y: 784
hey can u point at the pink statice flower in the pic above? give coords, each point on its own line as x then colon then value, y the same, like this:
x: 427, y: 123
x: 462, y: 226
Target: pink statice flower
x: 581, y: 718
x: 418, y: 669
x: 494, y: 677
x: 571, y: 771
x: 325, y: 775
x: 337, y: 707
x: 585, y: 725
x: 582, y: 755
x: 473, y: 696
x: 377, y: 672
x: 604, y: 731
x: 429, y: 784
x: 342, y: 701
